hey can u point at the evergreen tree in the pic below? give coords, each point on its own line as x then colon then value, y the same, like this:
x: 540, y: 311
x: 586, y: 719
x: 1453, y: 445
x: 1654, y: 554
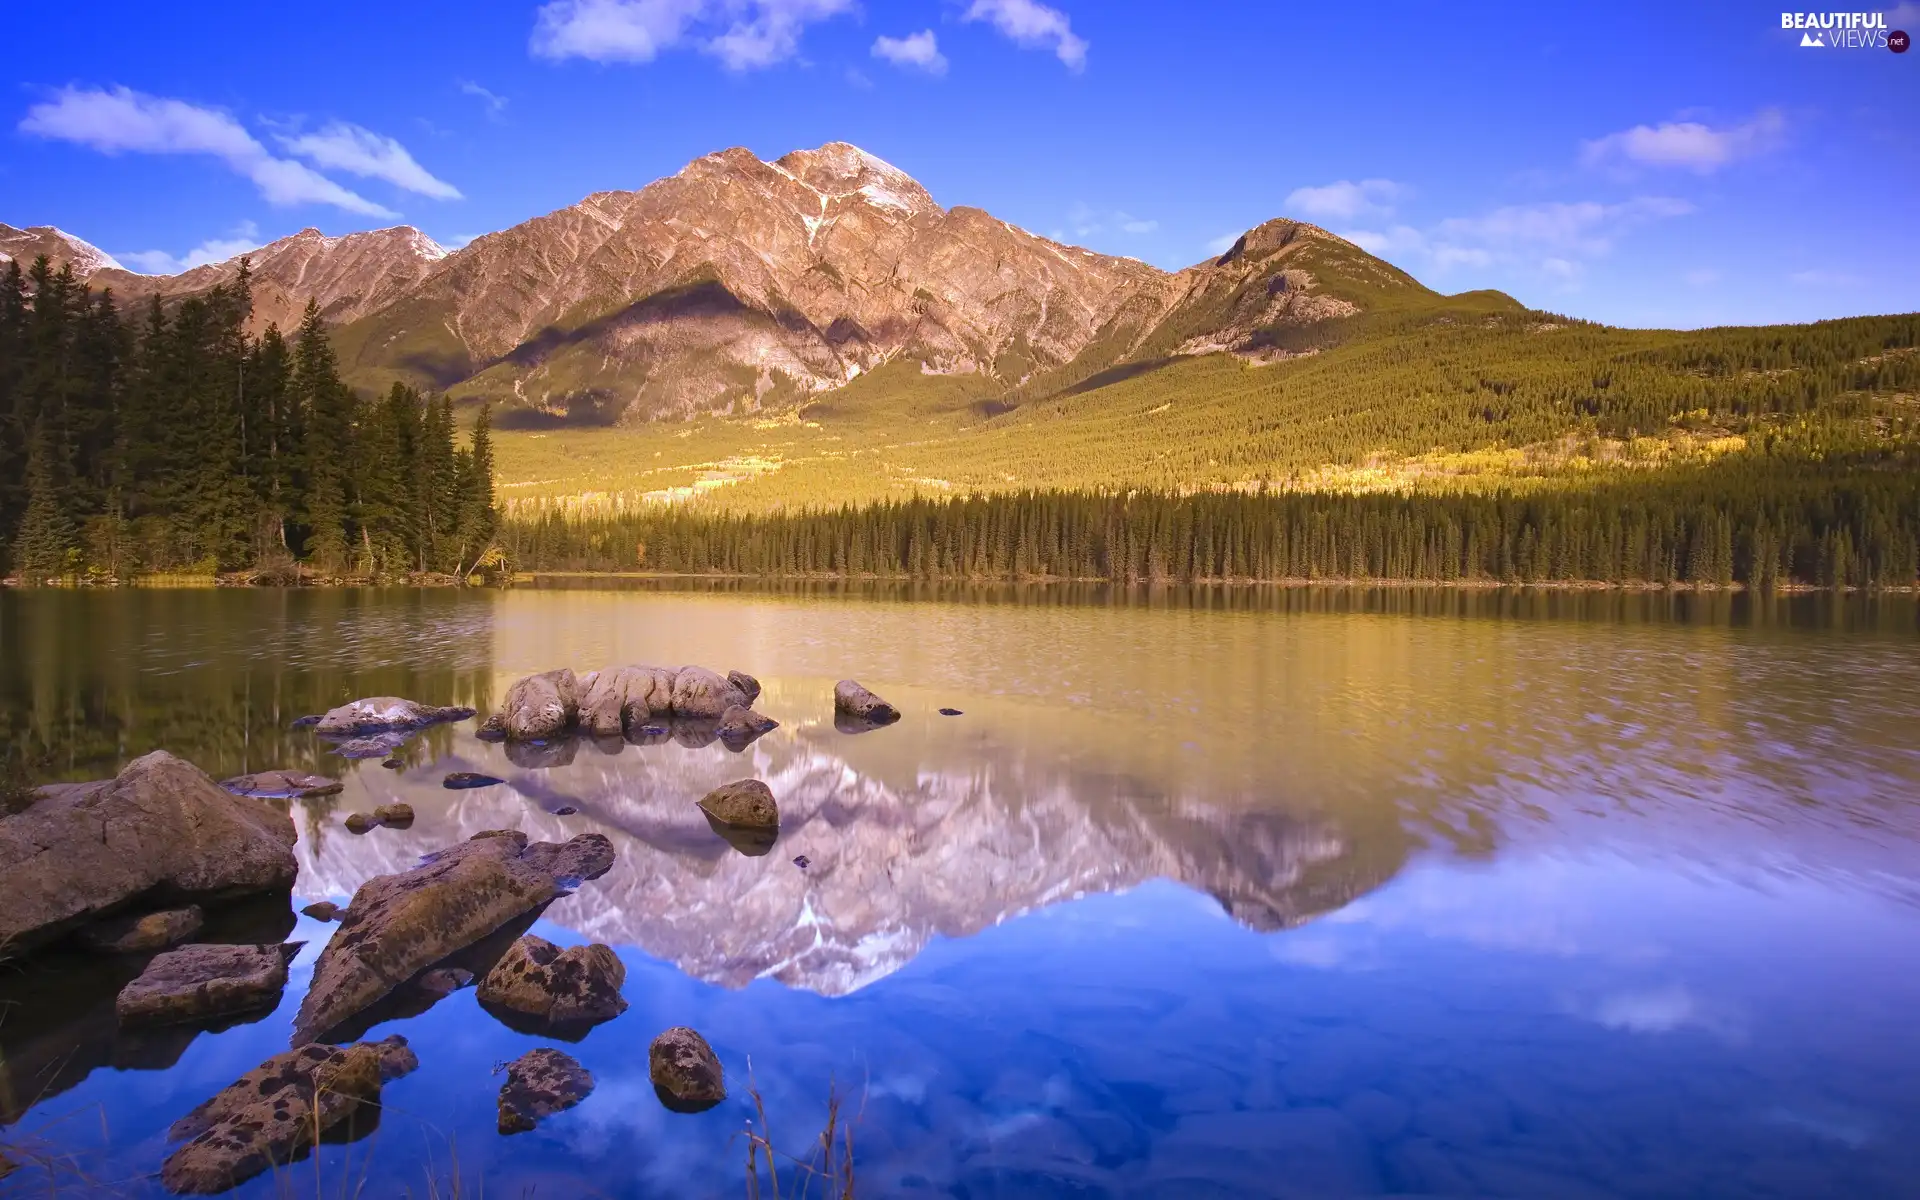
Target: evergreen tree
x: 46, y: 534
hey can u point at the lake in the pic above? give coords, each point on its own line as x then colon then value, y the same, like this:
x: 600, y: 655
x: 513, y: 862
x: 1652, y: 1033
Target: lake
x: 1205, y: 894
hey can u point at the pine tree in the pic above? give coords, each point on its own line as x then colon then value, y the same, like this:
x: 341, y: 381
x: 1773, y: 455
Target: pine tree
x: 46, y: 533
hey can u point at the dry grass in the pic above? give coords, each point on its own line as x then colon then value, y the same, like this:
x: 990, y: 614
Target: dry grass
x: 829, y: 1162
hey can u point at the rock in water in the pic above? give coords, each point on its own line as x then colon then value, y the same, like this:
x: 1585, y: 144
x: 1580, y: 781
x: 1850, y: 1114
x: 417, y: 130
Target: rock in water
x: 398, y: 816
x: 443, y: 981
x: 855, y: 701
x: 951, y: 712
x: 378, y: 745
x: 700, y: 694
x: 268, y: 1117
x: 325, y: 910
x: 746, y: 804
x: 685, y: 1071
x: 161, y: 828
x: 540, y: 1083
x: 748, y: 685
x: 538, y: 706
x: 576, y: 987
x: 281, y: 785
x: 360, y: 822
x: 143, y: 933
x: 620, y: 697
x: 384, y: 714
x: 195, y: 983
x: 466, y: 780
x: 739, y: 726
x: 397, y: 925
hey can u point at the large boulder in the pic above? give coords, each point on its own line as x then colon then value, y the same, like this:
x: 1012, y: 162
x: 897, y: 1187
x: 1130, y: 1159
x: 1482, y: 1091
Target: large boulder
x: 143, y: 933
x: 862, y: 705
x: 384, y: 714
x: 270, y: 1116
x: 703, y: 695
x: 748, y: 685
x: 538, y: 706
x: 685, y: 1071
x: 570, y: 989
x: 618, y: 698
x: 397, y: 925
x: 198, y: 983
x: 738, y: 726
x: 746, y: 804
x: 540, y: 1083
x: 160, y: 832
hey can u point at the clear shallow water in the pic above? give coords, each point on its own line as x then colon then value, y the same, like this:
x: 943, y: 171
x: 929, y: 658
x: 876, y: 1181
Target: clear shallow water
x: 1228, y: 894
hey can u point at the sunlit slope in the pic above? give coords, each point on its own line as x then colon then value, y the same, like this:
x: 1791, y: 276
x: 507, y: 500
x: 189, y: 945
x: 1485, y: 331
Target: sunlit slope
x: 1437, y: 392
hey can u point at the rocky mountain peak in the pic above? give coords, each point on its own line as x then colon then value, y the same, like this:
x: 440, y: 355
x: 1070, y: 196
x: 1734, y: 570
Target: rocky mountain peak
x: 60, y: 247
x: 840, y: 169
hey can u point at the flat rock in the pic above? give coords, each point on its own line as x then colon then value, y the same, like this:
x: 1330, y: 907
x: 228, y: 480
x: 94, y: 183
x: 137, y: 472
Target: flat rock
x: 467, y: 780
x: 384, y: 714
x: 857, y: 702
x: 324, y: 910
x: 540, y: 1083
x: 160, y: 831
x: 951, y: 712
x: 269, y: 1117
x: 143, y: 933
x: 578, y: 986
x: 745, y: 804
x: 741, y: 725
x: 281, y: 785
x: 200, y: 982
x: 685, y: 1071
x: 398, y: 925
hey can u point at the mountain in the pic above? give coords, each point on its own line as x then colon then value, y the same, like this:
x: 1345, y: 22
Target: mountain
x: 62, y: 248
x: 736, y: 283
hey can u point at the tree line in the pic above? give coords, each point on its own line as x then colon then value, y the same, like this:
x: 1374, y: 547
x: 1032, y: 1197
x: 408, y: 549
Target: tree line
x: 1795, y: 523
x: 175, y: 441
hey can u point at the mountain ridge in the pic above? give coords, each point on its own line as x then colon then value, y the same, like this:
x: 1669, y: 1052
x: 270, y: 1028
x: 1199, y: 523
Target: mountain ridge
x: 737, y: 282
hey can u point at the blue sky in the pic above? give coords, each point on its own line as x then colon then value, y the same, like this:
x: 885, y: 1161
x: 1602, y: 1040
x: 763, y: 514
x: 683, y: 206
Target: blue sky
x: 1643, y: 164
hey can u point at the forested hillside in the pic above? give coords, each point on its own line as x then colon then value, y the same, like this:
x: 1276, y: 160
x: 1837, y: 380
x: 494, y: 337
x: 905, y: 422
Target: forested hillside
x: 171, y: 441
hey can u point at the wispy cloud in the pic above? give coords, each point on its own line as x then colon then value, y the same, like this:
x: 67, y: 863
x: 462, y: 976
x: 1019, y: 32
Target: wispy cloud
x: 1085, y: 221
x: 245, y: 237
x: 744, y: 35
x: 1820, y: 278
x: 119, y: 120
x: 1345, y: 200
x: 1689, y: 145
x: 1223, y: 243
x: 1034, y: 25
x: 918, y: 51
x: 1553, y: 240
x: 344, y: 147
x: 495, y: 103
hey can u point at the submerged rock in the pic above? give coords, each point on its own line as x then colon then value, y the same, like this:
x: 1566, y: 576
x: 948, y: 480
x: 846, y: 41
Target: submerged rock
x: 281, y: 785
x: 467, y: 780
x: 745, y: 804
x: 540, y: 1083
x: 384, y: 714
x: 738, y: 726
x: 851, y: 699
x: 573, y: 988
x: 196, y: 983
x: 324, y: 910
x: 397, y: 925
x: 160, y: 831
x: 143, y: 933
x: 269, y: 1117
x: 685, y: 1071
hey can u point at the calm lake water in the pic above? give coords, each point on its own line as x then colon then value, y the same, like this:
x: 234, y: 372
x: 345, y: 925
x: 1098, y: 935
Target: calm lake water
x: 1227, y: 894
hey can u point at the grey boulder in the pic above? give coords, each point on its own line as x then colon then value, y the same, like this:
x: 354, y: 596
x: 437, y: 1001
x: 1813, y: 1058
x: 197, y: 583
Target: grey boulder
x: 384, y: 714
x: 397, y: 925
x: 198, y: 983
x: 746, y: 804
x: 857, y: 702
x: 540, y: 1083
x: 269, y: 1117
x: 161, y: 831
x: 536, y: 707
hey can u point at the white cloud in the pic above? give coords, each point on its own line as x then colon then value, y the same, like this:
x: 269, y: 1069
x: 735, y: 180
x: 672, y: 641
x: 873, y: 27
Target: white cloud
x: 1551, y: 240
x: 917, y: 50
x: 742, y: 34
x: 344, y: 147
x: 496, y: 104
x: 119, y: 120
x: 1345, y: 200
x: 1030, y: 23
x: 1825, y: 279
x: 1687, y: 144
x: 245, y: 237
x: 1223, y: 243
x: 1087, y: 221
